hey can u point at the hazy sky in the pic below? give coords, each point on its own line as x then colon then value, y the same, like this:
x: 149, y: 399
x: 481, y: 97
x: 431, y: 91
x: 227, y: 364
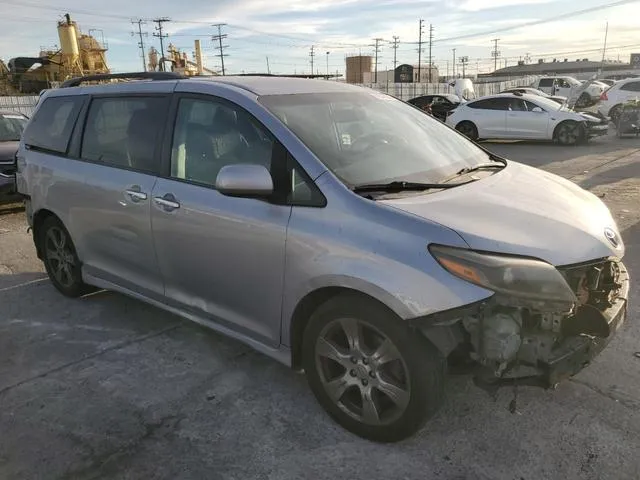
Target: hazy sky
x: 284, y: 30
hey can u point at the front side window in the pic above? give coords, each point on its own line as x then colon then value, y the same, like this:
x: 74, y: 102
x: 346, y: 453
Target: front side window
x: 210, y: 135
x: 11, y: 126
x: 125, y: 132
x: 366, y: 137
x: 51, y: 127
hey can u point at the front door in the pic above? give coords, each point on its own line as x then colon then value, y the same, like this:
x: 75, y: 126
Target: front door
x: 222, y: 258
x: 112, y: 216
x: 523, y: 122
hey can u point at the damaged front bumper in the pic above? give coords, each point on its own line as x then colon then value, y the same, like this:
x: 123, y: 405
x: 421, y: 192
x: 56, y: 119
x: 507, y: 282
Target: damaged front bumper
x: 545, y: 355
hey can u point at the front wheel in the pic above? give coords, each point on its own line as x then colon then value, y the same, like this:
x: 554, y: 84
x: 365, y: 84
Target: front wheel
x: 614, y: 114
x: 569, y: 133
x: 374, y: 375
x: 61, y: 260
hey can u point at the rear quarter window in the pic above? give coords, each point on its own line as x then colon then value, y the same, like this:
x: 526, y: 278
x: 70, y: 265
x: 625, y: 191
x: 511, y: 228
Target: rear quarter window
x: 50, y: 128
x: 546, y: 82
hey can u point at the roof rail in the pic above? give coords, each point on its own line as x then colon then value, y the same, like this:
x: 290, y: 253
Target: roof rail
x: 74, y: 82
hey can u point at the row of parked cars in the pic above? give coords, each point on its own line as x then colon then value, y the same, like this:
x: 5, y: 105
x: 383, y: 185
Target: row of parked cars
x: 539, y: 112
x: 12, y: 125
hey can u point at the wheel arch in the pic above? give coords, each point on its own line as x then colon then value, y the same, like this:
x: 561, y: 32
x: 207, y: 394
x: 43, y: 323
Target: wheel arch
x: 564, y: 122
x: 39, y: 218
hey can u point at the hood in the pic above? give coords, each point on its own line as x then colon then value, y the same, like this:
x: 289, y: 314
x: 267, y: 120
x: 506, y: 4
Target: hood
x: 522, y: 211
x: 590, y: 118
x: 8, y: 150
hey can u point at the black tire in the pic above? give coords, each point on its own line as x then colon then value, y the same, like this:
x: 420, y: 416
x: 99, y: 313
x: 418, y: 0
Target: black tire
x: 614, y: 114
x: 569, y: 133
x: 584, y: 100
x: 61, y: 260
x: 468, y: 129
x: 418, y: 389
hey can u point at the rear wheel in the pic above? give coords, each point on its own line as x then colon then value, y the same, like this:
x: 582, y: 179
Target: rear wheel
x: 569, y: 133
x: 369, y: 371
x: 61, y: 260
x: 614, y: 114
x: 468, y: 129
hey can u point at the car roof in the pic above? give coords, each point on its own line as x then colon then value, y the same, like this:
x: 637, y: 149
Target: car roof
x: 526, y: 96
x: 265, y: 85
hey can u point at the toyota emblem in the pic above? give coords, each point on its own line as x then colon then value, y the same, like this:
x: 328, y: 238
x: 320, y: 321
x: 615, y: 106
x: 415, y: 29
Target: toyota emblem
x: 612, y: 236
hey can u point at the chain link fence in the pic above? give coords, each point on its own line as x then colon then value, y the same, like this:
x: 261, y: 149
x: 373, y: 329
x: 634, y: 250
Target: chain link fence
x: 24, y: 104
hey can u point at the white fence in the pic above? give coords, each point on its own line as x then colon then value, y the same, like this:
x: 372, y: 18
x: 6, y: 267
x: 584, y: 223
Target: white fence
x: 407, y: 91
x: 24, y: 104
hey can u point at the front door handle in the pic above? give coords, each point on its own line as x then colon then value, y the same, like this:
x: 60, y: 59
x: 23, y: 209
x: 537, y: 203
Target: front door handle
x: 136, y: 195
x: 168, y: 202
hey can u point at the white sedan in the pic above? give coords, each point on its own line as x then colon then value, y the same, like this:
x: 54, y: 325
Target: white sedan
x: 522, y: 116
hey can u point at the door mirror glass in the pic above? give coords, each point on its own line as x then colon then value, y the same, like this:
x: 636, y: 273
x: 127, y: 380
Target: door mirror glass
x: 537, y: 110
x: 244, y: 180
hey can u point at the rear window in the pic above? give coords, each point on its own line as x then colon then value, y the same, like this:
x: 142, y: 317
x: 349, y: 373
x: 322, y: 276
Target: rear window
x: 51, y: 127
x: 491, y: 104
x: 125, y: 132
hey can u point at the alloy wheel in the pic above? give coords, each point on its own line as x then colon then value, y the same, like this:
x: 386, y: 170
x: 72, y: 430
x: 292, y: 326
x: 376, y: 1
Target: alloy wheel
x: 569, y: 134
x: 362, y: 371
x: 59, y: 255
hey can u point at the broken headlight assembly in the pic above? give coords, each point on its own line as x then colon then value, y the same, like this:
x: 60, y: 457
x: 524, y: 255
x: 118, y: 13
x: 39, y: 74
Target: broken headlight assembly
x: 516, y: 281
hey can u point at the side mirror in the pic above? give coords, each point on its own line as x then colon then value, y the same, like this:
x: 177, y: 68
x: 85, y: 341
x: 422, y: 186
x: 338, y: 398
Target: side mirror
x: 244, y: 180
x: 537, y: 110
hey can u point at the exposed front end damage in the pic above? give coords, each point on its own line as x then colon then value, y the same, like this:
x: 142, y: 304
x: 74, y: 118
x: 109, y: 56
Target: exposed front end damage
x: 522, y: 344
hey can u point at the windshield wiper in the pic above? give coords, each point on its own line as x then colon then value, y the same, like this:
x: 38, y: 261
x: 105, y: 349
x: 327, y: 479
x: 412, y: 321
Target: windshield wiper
x: 400, y: 186
x: 500, y: 164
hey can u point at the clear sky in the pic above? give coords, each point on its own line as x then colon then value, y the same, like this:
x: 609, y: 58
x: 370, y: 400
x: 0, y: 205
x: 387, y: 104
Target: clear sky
x: 284, y: 30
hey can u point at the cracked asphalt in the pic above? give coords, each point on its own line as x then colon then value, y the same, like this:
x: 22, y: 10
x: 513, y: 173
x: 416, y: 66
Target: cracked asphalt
x: 108, y: 388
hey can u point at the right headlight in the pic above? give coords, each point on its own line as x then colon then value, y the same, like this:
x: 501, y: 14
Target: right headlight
x: 517, y: 281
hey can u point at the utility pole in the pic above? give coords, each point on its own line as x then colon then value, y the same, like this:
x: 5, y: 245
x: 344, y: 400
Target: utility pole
x: 377, y: 47
x: 420, y: 48
x: 604, y: 49
x: 220, y: 47
x: 141, y: 34
x: 495, y: 53
x: 395, y: 44
x: 268, y: 69
x: 328, y: 65
x: 312, y: 54
x: 463, y: 61
x: 430, y: 42
x: 161, y: 36
x: 453, y: 65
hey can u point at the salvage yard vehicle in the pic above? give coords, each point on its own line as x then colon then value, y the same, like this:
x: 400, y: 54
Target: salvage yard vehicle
x: 524, y: 117
x: 566, y: 86
x: 11, y: 126
x: 441, y: 105
x: 269, y: 209
x: 614, y: 98
x: 534, y: 91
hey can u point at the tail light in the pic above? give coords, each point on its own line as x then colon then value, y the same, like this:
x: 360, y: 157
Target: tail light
x: 604, y: 97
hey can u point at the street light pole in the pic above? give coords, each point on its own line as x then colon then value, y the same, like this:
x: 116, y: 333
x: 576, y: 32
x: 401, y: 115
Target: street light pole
x: 328, y: 65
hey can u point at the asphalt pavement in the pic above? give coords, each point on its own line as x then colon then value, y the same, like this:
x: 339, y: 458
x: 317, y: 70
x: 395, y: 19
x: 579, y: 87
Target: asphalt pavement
x: 106, y: 387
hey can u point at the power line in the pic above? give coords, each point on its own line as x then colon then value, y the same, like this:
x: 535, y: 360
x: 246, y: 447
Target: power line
x: 220, y: 47
x: 161, y: 36
x: 141, y: 34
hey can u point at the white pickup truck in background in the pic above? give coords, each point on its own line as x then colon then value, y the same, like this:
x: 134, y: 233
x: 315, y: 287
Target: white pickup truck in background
x: 567, y: 86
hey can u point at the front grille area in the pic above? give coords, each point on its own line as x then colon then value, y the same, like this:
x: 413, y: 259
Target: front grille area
x: 596, y: 284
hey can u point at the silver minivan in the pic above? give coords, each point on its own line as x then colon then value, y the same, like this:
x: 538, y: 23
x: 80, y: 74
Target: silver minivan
x: 336, y: 229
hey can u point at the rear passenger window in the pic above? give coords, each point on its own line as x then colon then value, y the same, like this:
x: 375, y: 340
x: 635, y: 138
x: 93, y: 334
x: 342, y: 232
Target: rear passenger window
x: 51, y: 127
x: 125, y: 132
x: 546, y: 82
x: 631, y: 87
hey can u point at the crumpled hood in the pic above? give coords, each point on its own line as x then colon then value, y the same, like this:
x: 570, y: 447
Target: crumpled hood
x: 522, y: 210
x: 8, y: 151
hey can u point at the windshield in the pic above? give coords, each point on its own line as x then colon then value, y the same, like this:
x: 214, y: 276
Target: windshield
x: 546, y: 103
x: 367, y: 137
x: 11, y: 126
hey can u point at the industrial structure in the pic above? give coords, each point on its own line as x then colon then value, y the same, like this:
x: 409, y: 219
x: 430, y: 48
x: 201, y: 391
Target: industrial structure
x: 179, y: 61
x: 581, y: 69
x: 404, y: 73
x: 357, y: 66
x: 78, y: 54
